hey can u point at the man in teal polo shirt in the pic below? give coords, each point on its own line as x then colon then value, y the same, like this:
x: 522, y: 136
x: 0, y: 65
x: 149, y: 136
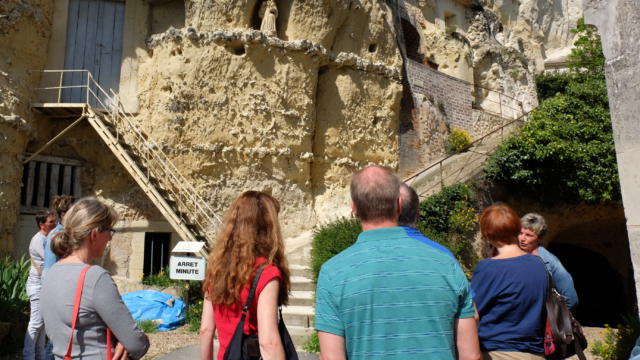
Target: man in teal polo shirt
x: 389, y: 296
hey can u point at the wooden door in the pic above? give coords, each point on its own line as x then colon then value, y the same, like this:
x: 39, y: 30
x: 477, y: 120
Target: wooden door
x: 94, y: 43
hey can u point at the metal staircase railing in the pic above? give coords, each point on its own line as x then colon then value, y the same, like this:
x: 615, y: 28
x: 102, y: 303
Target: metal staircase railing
x: 439, y: 163
x: 174, y: 196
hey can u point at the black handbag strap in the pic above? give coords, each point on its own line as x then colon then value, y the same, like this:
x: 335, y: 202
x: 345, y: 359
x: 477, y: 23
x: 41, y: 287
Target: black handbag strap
x: 252, y: 291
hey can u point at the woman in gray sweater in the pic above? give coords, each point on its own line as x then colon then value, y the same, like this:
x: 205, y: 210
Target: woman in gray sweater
x: 87, y: 230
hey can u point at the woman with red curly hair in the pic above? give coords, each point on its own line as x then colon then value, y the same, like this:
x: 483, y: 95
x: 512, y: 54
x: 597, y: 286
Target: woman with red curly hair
x: 509, y: 291
x: 249, y: 237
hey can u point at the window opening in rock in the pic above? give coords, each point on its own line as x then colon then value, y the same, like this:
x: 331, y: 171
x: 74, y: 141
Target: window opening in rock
x: 45, y: 177
x: 156, y: 252
x: 411, y: 40
x: 373, y: 48
x: 165, y: 14
x: 450, y: 22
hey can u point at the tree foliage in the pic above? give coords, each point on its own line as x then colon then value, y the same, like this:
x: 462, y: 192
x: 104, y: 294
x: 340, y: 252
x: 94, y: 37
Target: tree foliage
x: 566, y: 151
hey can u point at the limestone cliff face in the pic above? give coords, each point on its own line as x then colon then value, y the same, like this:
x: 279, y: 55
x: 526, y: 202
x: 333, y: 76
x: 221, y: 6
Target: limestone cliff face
x: 293, y: 115
x: 24, y: 32
x: 540, y: 28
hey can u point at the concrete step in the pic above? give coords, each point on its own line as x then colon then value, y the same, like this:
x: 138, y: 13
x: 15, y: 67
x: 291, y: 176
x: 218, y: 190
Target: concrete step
x: 301, y: 316
x: 301, y: 298
x: 302, y: 283
x: 299, y: 335
x: 299, y: 270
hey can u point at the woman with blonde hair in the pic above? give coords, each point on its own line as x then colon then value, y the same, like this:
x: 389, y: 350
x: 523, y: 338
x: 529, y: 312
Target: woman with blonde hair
x: 72, y: 283
x: 509, y: 291
x: 249, y: 237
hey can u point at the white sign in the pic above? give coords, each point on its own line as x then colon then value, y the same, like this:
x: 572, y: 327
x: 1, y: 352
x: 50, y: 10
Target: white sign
x: 186, y: 268
x: 188, y: 246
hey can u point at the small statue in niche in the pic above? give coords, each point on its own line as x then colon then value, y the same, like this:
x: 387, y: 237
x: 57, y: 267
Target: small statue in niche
x: 268, y: 14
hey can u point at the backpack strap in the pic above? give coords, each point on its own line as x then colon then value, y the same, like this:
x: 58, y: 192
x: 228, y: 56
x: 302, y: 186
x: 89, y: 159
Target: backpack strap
x: 76, y: 308
x: 252, y: 291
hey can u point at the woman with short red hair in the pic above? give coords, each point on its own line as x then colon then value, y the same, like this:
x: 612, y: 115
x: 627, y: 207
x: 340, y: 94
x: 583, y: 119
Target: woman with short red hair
x: 509, y: 291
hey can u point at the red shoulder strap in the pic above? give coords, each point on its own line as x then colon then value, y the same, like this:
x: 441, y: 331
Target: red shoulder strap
x: 76, y: 308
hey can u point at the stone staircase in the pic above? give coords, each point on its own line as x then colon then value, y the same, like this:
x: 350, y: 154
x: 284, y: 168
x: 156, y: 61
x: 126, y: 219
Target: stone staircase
x: 462, y: 167
x: 299, y: 314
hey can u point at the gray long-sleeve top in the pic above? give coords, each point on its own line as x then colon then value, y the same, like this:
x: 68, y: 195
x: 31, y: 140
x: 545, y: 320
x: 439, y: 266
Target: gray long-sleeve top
x: 100, y: 307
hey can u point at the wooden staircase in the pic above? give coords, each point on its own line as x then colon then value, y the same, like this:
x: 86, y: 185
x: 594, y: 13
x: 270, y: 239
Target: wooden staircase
x: 177, y: 200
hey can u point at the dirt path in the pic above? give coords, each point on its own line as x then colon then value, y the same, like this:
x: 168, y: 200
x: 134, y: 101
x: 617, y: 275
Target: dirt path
x: 164, y: 342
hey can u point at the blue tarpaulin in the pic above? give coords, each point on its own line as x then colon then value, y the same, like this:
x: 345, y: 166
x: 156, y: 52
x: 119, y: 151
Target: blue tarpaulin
x: 167, y: 310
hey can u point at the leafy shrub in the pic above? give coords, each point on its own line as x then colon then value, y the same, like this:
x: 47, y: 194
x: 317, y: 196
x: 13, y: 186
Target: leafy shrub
x: 148, y: 326
x: 14, y: 302
x: 548, y: 85
x: 312, y: 345
x: 566, y: 152
x: 193, y: 316
x: 13, y: 293
x: 450, y: 218
x: 459, y: 140
x: 160, y: 279
x: 617, y: 344
x: 331, y: 239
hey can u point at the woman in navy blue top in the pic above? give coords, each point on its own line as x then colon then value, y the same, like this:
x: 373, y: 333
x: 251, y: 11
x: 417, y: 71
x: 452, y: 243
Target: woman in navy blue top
x: 509, y: 291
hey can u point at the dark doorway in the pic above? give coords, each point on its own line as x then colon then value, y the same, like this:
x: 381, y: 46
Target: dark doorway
x: 602, y: 293
x: 156, y: 252
x: 411, y: 41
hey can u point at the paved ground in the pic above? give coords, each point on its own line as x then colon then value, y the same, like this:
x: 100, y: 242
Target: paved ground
x: 192, y: 352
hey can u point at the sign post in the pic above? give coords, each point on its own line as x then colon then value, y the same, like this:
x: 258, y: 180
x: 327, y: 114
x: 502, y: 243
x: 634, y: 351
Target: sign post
x: 188, y: 265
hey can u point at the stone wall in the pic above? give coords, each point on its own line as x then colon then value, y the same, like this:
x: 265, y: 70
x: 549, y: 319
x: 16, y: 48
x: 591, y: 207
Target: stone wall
x: 293, y: 115
x: 24, y: 32
x: 452, y: 96
x: 619, y: 24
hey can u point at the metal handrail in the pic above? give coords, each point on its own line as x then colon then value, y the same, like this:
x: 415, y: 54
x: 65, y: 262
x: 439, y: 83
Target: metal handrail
x: 477, y: 141
x: 163, y: 170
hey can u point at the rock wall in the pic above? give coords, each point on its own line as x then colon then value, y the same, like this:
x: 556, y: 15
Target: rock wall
x: 294, y: 116
x: 24, y: 32
x: 618, y: 22
x: 541, y: 28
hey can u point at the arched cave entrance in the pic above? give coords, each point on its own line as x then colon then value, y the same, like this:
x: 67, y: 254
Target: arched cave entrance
x: 411, y: 41
x: 604, y: 294
x: 601, y: 270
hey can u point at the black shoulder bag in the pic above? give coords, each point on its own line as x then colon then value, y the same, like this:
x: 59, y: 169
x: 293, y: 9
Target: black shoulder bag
x: 247, y: 347
x: 563, y: 334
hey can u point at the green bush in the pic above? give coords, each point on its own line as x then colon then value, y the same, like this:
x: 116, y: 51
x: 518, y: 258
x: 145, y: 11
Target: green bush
x: 331, y: 239
x: 459, y: 140
x: 13, y: 293
x: 148, y: 326
x: 566, y: 151
x: 160, y: 279
x: 312, y: 345
x: 193, y: 316
x: 617, y: 344
x: 548, y: 85
x: 14, y: 302
x: 450, y: 218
